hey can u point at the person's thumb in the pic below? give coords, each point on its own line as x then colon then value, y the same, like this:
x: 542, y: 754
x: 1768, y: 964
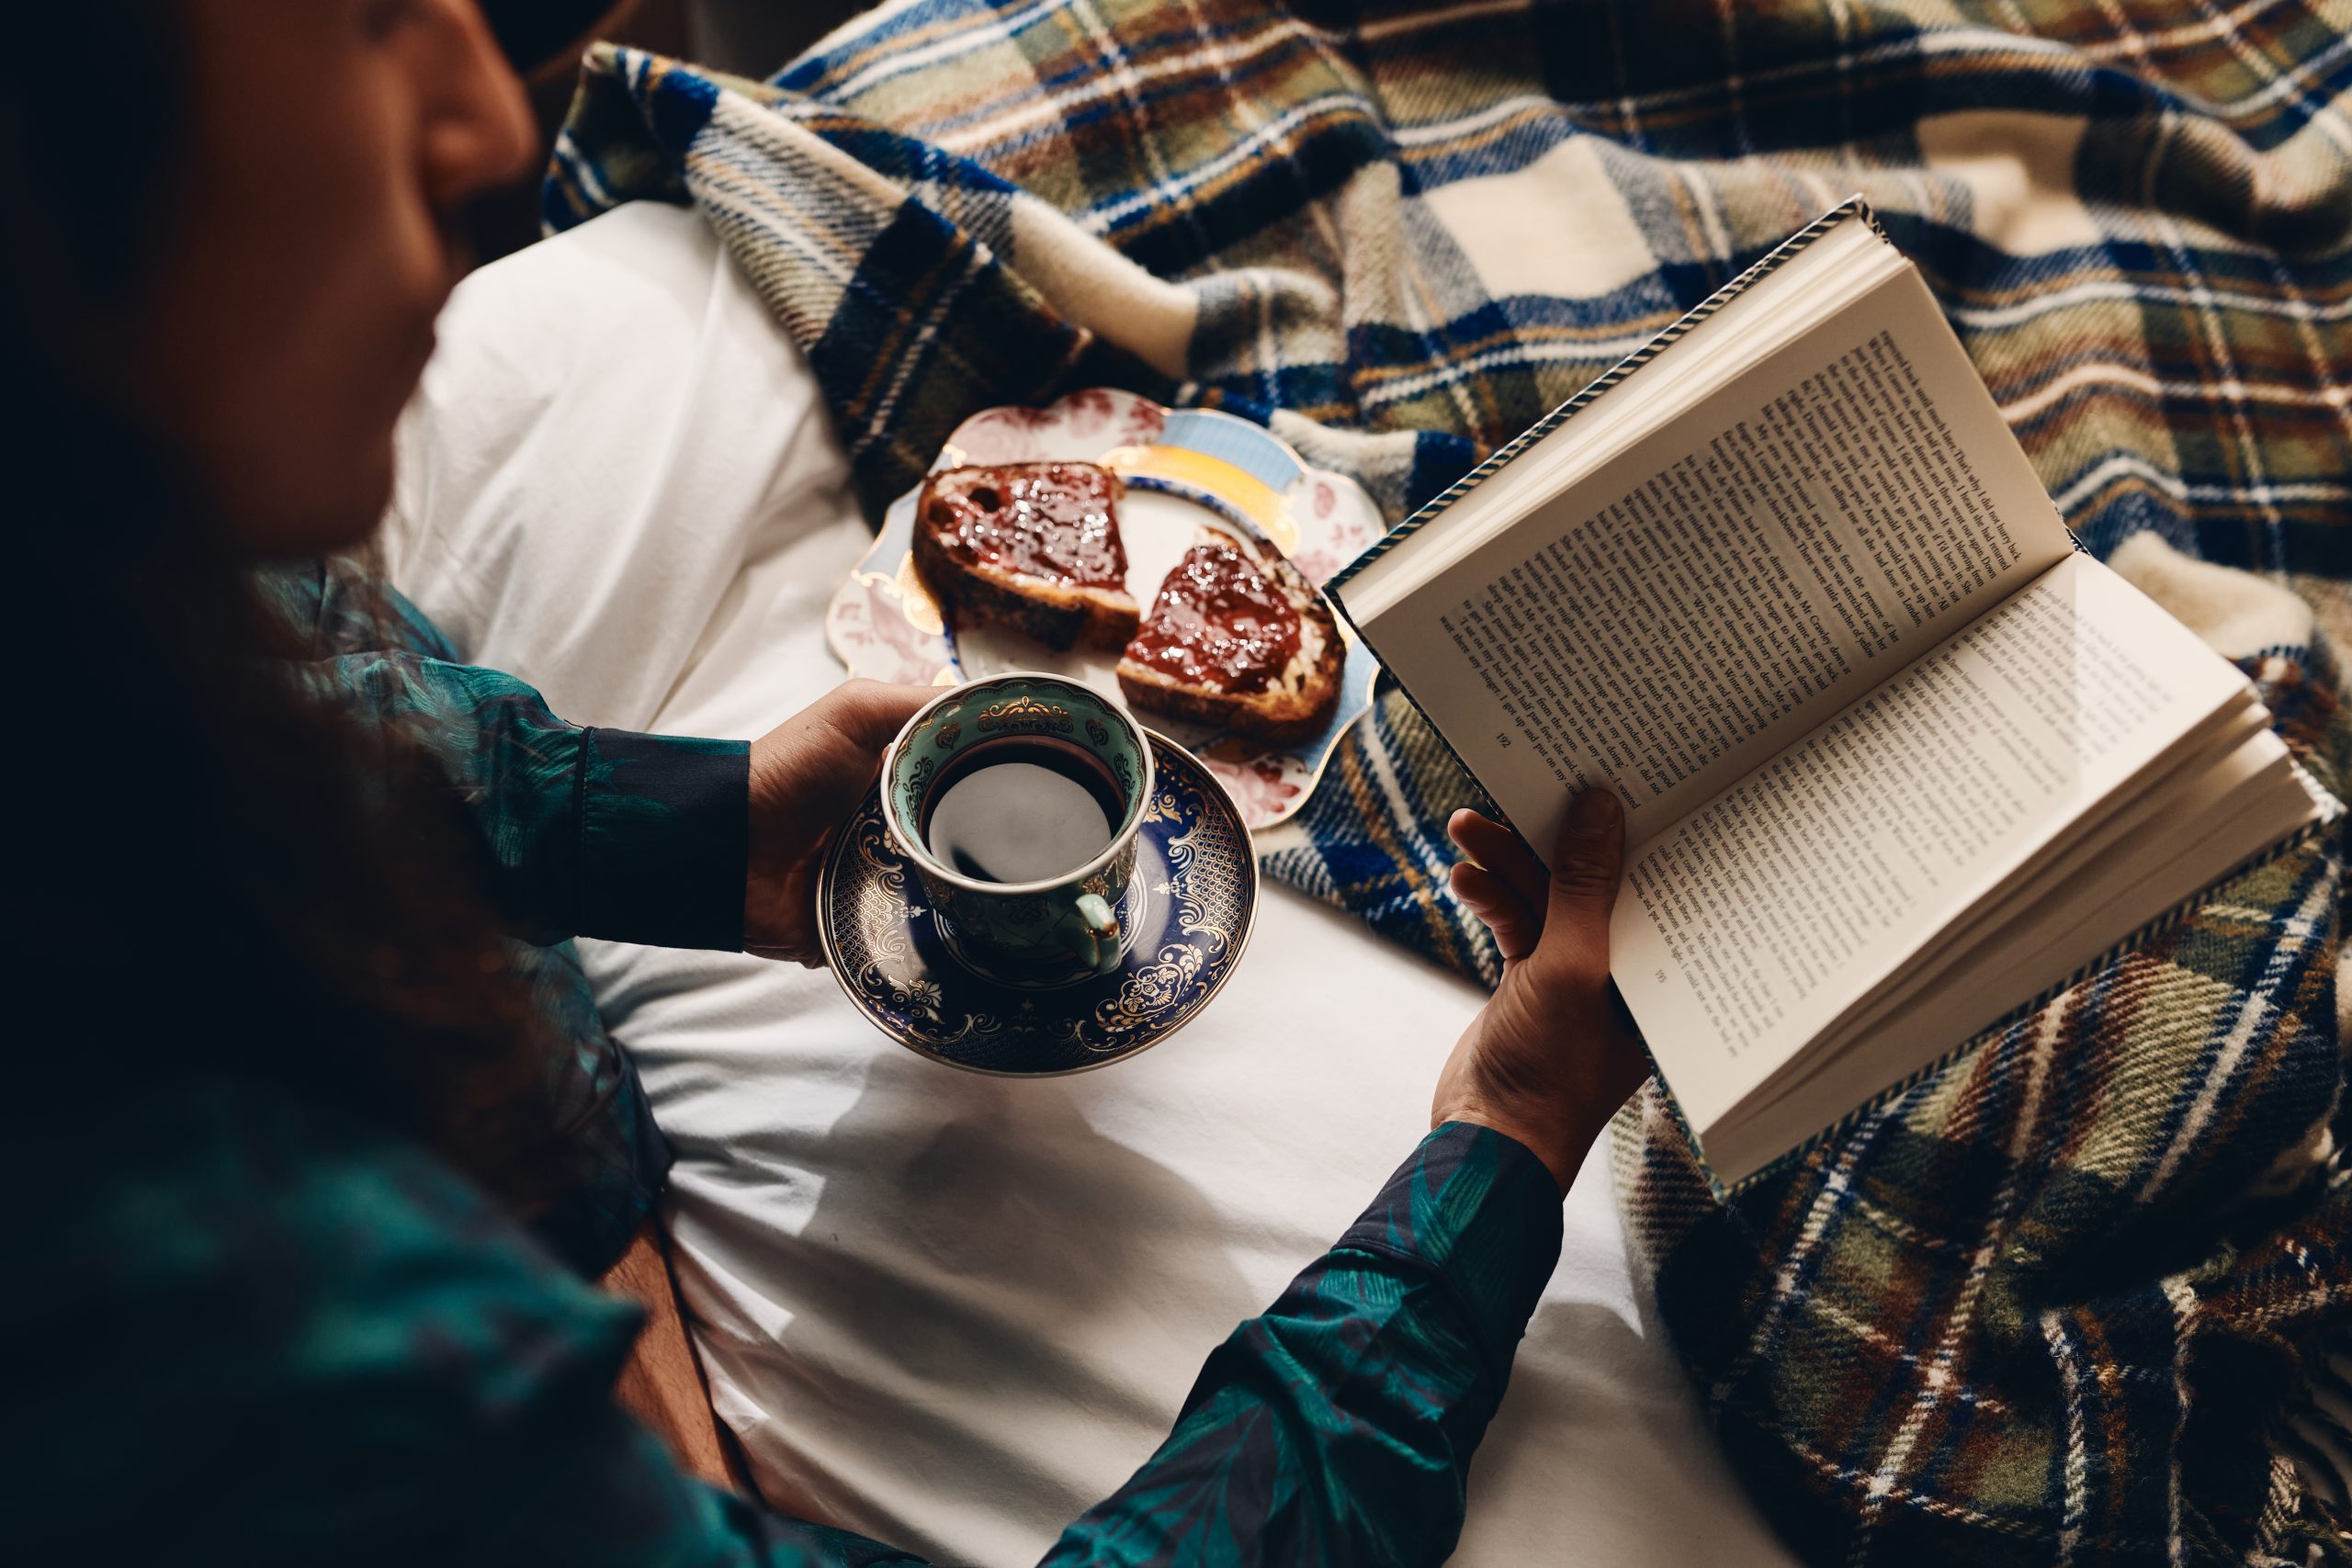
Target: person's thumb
x: 1586, y: 865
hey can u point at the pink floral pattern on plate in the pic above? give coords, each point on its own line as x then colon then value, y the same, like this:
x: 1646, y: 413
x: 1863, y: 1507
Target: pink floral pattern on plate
x: 1080, y: 428
x: 868, y: 624
x: 1266, y: 785
x: 1331, y: 535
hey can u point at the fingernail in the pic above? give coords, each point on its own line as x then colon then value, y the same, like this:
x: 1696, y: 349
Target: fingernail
x: 1593, y: 812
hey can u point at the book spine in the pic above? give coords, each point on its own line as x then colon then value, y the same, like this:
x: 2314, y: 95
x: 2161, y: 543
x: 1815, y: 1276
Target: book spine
x: 1853, y: 206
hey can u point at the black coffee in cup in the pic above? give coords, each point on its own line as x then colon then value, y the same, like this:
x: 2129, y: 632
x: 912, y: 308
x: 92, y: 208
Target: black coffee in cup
x: 1023, y: 809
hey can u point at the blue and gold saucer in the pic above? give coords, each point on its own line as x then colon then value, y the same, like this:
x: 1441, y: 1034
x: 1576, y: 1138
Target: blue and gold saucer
x: 1192, y: 902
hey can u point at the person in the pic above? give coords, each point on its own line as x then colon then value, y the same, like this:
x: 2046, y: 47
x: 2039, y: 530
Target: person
x: 325, y: 1139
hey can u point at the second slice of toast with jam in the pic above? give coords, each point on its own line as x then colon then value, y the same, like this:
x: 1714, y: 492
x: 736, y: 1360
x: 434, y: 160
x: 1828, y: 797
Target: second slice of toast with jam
x: 1238, y: 639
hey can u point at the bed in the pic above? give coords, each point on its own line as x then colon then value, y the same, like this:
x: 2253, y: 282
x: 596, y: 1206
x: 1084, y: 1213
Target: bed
x: 945, y: 1309
x: 950, y: 1314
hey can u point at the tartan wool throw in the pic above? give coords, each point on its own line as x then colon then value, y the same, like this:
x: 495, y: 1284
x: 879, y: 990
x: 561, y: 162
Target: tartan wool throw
x: 2066, y: 1299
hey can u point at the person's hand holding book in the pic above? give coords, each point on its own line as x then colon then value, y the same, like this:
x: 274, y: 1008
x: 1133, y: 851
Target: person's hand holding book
x: 1551, y: 1056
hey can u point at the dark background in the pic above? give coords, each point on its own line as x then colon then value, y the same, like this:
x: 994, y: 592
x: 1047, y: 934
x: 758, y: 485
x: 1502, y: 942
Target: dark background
x: 545, y: 38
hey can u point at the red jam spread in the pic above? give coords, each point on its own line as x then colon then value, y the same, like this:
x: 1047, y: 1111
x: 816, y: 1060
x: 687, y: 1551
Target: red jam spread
x: 1052, y: 521
x: 1218, y: 623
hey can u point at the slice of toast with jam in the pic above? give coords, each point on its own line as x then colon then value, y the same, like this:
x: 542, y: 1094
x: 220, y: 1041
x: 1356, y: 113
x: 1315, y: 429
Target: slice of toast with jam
x: 1238, y: 639
x: 1033, y: 547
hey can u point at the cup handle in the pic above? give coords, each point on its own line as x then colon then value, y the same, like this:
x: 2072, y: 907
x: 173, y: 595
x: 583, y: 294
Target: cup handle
x: 1103, y: 927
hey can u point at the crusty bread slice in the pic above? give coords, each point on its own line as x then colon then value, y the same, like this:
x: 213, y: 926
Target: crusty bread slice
x: 1000, y: 563
x: 1294, y: 701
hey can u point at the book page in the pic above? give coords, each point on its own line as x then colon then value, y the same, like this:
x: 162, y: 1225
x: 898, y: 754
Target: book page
x: 2217, y: 815
x: 1754, y: 923
x: 1726, y: 582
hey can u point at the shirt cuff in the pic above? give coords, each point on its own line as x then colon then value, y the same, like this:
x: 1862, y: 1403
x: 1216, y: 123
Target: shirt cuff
x: 1482, y: 1215
x: 665, y: 839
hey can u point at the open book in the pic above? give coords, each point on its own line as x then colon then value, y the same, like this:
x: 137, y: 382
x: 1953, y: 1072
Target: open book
x: 1897, y: 761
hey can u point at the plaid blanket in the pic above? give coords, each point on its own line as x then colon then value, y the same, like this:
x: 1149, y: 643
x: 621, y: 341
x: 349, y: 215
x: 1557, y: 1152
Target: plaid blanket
x: 2066, y: 1301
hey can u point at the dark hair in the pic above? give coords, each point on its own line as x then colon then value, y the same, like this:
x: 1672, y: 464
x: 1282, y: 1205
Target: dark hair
x: 223, y: 871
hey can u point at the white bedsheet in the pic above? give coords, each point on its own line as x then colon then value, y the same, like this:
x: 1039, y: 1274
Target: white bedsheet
x: 946, y: 1310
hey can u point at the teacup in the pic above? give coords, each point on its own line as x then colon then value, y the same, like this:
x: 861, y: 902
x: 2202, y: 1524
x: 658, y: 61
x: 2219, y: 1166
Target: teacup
x: 1052, y: 929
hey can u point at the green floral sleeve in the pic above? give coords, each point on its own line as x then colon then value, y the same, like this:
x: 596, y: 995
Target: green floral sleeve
x: 1338, y: 1425
x: 586, y: 833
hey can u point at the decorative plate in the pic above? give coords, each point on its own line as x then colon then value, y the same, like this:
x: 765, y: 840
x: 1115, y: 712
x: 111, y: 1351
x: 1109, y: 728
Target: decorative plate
x: 1183, y: 468
x: 1193, y: 900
